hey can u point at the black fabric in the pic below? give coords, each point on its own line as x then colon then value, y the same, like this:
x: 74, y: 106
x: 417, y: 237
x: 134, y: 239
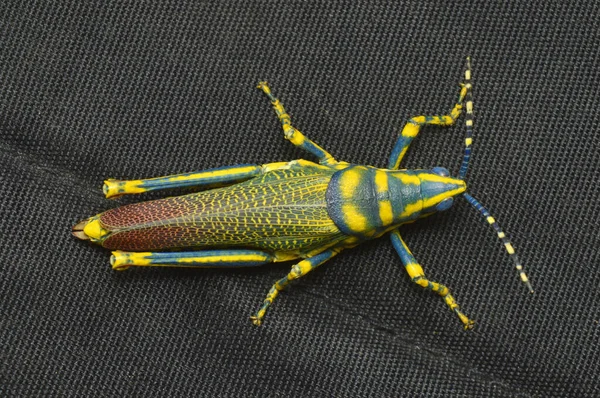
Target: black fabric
x: 141, y: 89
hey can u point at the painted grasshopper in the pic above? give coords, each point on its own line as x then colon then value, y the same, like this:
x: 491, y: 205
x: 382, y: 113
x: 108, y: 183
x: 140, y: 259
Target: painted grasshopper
x: 286, y: 211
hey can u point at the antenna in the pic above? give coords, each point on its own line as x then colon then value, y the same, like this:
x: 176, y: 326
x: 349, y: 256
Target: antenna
x: 502, y: 236
x: 468, y: 121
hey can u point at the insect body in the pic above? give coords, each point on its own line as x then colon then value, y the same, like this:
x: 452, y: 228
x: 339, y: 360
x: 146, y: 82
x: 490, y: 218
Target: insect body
x: 286, y: 211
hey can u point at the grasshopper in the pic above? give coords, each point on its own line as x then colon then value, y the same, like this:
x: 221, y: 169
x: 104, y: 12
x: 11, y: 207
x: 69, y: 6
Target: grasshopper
x: 285, y: 211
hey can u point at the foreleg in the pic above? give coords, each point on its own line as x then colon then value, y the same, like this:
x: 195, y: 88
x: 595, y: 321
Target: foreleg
x: 417, y: 275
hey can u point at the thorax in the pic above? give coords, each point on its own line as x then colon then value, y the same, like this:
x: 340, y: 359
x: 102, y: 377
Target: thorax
x: 366, y: 202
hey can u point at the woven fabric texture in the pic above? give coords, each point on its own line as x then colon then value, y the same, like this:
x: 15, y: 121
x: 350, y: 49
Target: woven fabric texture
x: 92, y: 90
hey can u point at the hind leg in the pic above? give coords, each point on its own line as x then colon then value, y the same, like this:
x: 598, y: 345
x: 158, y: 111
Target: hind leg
x: 121, y: 260
x: 207, y: 178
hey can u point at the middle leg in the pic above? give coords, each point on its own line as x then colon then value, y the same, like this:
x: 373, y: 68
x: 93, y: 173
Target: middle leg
x: 298, y: 270
x: 291, y: 133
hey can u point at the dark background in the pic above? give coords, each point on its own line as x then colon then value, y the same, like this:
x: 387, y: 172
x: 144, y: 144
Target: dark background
x: 141, y: 89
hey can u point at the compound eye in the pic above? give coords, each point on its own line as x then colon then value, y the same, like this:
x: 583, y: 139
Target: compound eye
x: 441, y: 171
x: 444, y: 204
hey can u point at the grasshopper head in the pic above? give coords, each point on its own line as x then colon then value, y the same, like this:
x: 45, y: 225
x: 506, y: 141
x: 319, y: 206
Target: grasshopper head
x: 438, y: 189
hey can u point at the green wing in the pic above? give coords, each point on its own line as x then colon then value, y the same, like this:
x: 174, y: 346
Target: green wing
x: 282, y: 210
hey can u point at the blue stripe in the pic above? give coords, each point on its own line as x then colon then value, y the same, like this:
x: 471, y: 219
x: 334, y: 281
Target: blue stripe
x: 404, y: 255
x: 401, y: 142
x: 309, y: 146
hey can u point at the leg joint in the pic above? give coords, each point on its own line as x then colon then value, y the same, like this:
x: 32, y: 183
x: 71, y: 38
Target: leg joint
x: 423, y: 282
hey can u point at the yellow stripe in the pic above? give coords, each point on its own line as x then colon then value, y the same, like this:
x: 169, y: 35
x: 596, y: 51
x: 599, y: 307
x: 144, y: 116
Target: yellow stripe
x: 349, y: 180
x: 231, y: 258
x: 385, y: 212
x: 414, y: 270
x: 117, y: 187
x: 469, y: 106
x: 354, y: 219
x: 404, y: 244
x: 132, y: 186
x: 303, y: 266
x: 490, y: 220
x: 402, y: 153
x: 438, y: 198
x: 410, y: 130
x: 297, y: 138
x: 385, y: 206
x: 406, y: 178
x: 381, y: 181
x: 307, y: 163
x: 214, y: 173
x: 469, y: 123
x: 446, y: 180
x: 439, y: 178
x: 468, y: 141
x: 275, y: 166
x: 121, y: 260
x: 412, y: 208
x: 509, y: 248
